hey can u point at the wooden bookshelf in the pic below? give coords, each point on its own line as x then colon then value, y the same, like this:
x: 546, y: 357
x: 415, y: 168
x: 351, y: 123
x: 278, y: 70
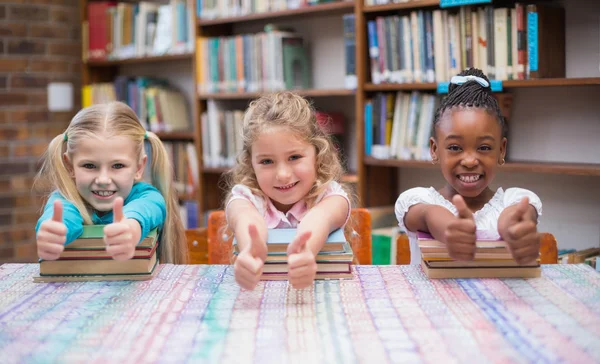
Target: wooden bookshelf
x: 577, y: 169
x: 215, y: 170
x: 253, y: 95
x: 175, y: 135
x: 338, y: 7
x: 384, y: 174
x: 411, y: 4
x: 508, y: 84
x: 140, y: 60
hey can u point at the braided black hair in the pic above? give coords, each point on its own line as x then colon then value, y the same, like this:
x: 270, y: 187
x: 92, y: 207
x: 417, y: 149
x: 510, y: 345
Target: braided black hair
x: 468, y: 95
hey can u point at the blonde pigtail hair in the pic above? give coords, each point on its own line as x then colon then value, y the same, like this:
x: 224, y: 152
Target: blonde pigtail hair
x: 54, y: 175
x: 174, y: 247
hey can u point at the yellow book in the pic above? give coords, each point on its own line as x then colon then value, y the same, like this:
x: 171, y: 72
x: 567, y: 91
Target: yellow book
x: 86, y: 96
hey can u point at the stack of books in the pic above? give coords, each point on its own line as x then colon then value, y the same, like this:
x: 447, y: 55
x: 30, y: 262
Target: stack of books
x: 86, y: 259
x: 333, y: 261
x: 492, y: 259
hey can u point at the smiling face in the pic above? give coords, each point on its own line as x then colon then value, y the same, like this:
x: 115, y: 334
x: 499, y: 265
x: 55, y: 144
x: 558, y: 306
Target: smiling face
x: 284, y: 166
x: 104, y: 168
x: 468, y: 144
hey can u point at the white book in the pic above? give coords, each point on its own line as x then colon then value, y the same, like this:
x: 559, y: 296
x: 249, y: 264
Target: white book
x: 483, y: 41
x: 513, y: 45
x: 438, y: 47
x: 500, y: 43
x: 163, y: 37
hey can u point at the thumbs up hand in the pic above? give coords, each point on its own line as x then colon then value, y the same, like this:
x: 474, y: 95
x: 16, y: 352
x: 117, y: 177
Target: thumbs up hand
x: 250, y: 261
x: 521, y: 233
x: 460, y: 232
x: 122, y: 235
x: 302, y: 265
x: 52, y: 234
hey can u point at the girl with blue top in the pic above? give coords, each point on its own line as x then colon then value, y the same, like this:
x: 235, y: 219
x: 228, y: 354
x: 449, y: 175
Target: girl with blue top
x: 469, y: 145
x: 95, y: 170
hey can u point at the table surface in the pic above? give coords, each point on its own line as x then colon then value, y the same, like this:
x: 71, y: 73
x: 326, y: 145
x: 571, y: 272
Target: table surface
x: 197, y: 313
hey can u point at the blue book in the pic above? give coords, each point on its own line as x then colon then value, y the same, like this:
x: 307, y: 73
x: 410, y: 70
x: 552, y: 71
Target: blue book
x: 368, y: 128
x: 278, y: 240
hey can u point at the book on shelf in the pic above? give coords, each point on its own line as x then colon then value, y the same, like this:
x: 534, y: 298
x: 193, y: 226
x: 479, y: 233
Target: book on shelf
x: 515, y: 42
x: 122, y: 30
x: 272, y: 60
x: 184, y: 160
x: 493, y: 259
x: 159, y: 106
x: 209, y: 10
x: 350, y: 78
x: 399, y: 125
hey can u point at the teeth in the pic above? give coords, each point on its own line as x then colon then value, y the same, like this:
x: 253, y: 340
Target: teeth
x: 469, y: 179
x: 104, y: 193
x: 287, y: 187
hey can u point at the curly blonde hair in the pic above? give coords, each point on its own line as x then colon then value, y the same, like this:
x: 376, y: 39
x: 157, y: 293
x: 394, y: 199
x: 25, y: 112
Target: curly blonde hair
x: 289, y: 110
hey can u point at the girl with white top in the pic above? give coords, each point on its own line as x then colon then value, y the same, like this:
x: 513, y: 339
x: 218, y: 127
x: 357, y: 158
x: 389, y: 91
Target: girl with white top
x: 468, y: 143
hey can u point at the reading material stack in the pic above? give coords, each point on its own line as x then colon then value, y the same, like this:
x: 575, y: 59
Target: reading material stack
x: 333, y: 261
x: 86, y: 259
x: 492, y: 259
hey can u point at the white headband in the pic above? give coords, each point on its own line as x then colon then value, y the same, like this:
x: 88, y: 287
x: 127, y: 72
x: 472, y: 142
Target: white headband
x: 459, y: 80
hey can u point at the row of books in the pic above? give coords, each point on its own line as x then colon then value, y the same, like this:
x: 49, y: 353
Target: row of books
x: 118, y: 30
x: 275, y: 59
x: 398, y: 125
x: 432, y: 46
x: 184, y: 159
x: 159, y: 106
x: 214, y: 9
x: 492, y: 259
x: 333, y: 261
x: 221, y: 135
x: 86, y: 259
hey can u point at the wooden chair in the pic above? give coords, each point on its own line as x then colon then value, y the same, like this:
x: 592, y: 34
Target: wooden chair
x: 357, y: 231
x: 548, y: 249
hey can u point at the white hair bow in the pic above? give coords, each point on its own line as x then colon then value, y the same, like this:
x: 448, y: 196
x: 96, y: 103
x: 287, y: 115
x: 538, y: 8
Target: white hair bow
x: 459, y: 80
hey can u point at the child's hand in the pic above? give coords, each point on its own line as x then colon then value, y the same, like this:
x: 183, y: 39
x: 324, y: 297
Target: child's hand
x: 122, y: 236
x: 249, y: 263
x: 52, y: 235
x: 460, y: 233
x: 521, y: 235
x: 302, y: 266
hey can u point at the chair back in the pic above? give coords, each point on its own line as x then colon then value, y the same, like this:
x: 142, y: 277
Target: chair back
x: 357, y: 232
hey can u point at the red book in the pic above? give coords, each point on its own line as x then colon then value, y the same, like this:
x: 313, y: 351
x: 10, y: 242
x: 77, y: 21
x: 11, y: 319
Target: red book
x: 98, y: 19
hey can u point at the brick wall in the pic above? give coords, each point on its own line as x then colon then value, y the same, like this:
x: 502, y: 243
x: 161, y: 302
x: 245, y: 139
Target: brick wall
x: 40, y: 42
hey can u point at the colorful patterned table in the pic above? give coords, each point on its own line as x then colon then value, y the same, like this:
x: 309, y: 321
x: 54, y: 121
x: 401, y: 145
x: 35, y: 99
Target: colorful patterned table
x: 197, y: 313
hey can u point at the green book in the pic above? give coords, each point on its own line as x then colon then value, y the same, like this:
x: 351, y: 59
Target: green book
x: 383, y: 245
x: 92, y: 238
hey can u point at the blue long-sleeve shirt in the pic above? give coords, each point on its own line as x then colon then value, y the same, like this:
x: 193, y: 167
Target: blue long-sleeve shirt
x: 144, y: 204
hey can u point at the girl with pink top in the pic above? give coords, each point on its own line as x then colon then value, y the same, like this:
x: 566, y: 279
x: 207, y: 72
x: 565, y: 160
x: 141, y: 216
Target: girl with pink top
x: 285, y: 177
